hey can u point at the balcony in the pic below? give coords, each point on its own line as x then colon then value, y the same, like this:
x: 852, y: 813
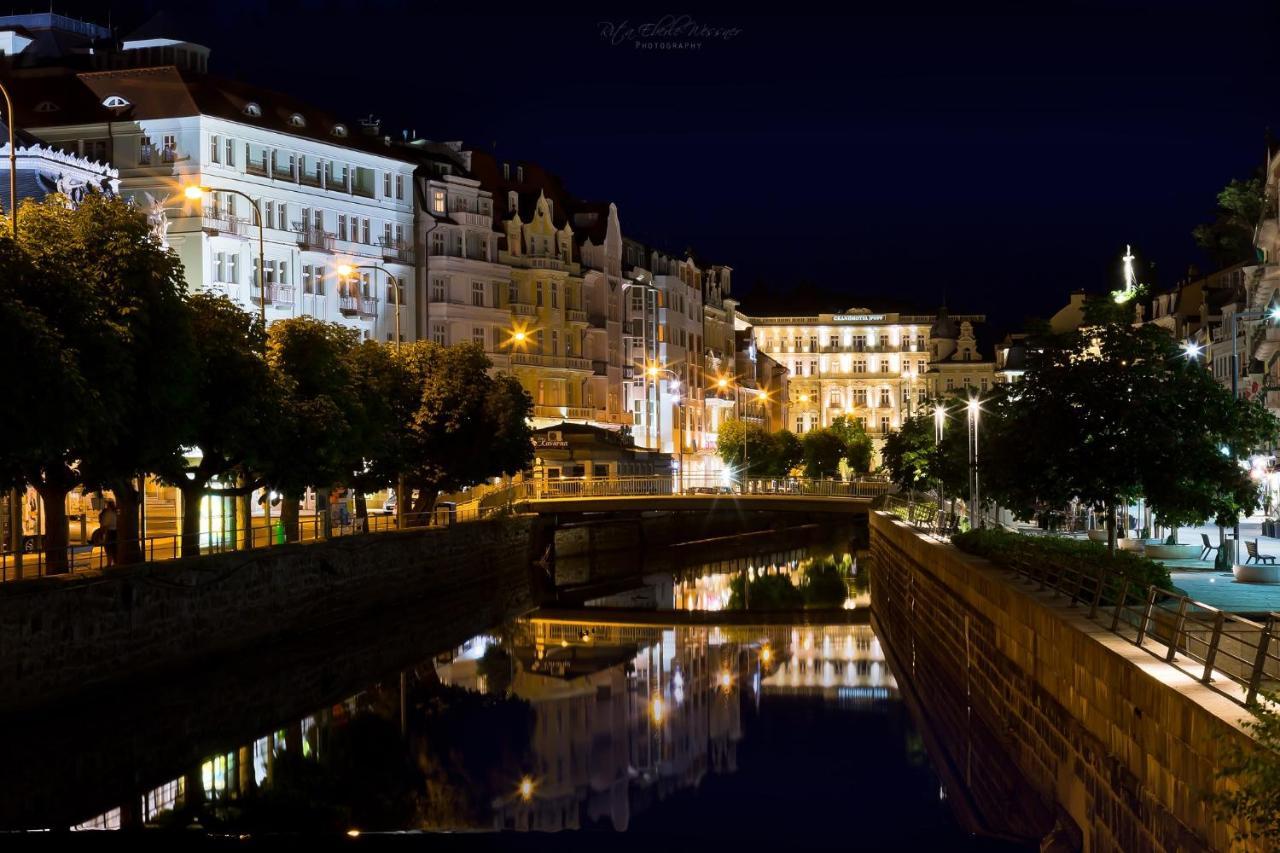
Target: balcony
x: 574, y: 316
x: 364, y: 307
x: 256, y: 167
x: 572, y: 413
x: 283, y: 294
x: 552, y: 361
x: 313, y: 239
x: 600, y: 368
x: 397, y: 251
x: 524, y: 309
x: 335, y: 182
x: 596, y: 321
x: 217, y: 221
x: 466, y: 217
x: 310, y: 179
x: 255, y: 294
x: 545, y: 263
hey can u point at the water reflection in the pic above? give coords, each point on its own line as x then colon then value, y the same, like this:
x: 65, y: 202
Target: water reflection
x: 542, y: 725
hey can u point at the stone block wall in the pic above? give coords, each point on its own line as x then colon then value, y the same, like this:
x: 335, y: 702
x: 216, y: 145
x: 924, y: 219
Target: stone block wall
x: 1105, y: 733
x: 59, y: 635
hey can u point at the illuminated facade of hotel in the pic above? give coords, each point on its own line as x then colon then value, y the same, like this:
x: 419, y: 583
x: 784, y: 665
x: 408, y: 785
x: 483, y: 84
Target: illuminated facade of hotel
x: 878, y: 368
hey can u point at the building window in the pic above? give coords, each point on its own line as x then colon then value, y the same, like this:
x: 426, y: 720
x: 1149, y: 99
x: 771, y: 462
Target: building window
x: 437, y: 201
x: 217, y: 266
x: 520, y: 174
x: 884, y: 398
x: 437, y: 290
x: 342, y: 226
x: 307, y: 288
x: 506, y: 171
x: 477, y: 336
x: 144, y: 150
x: 215, y: 149
x: 282, y: 216
x: 859, y: 367
x: 951, y: 384
x: 477, y: 293
x: 884, y: 342
x: 437, y: 333
x: 884, y: 365
x: 920, y: 366
x: 884, y: 424
x: 555, y: 294
x: 386, y: 185
x: 860, y: 396
x: 800, y: 424
x: 919, y: 343
x: 399, y: 187
x: 859, y: 343
x: 813, y: 367
x: 538, y: 294
x: 365, y: 232
x: 437, y: 243
x: 233, y: 268
x: 555, y: 342
x: 835, y: 341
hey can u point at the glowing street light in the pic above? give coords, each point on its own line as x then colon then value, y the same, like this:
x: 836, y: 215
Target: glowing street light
x: 195, y: 192
x: 1192, y: 350
x: 658, y: 709
x: 526, y: 789
x: 973, y: 409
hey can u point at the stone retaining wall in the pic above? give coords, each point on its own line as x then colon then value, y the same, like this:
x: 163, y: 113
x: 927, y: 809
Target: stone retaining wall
x: 62, y: 634
x: 1124, y: 744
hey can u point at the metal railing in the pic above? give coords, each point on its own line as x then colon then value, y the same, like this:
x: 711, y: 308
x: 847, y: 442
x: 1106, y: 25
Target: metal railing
x: 697, y: 484
x: 1230, y: 653
x: 312, y: 527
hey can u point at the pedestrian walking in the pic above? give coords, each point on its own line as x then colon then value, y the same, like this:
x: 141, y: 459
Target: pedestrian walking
x: 108, y: 518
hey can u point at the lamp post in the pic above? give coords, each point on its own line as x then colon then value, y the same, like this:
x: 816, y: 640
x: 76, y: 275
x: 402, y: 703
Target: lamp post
x: 653, y: 372
x: 15, y: 498
x: 345, y: 271
x: 973, y: 463
x: 197, y: 192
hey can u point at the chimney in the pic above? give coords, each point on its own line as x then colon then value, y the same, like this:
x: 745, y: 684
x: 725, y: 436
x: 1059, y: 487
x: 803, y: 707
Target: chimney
x: 370, y: 126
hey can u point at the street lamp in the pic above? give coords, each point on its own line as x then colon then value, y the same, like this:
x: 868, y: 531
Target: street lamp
x: 653, y: 371
x: 973, y: 462
x: 196, y: 192
x: 15, y: 498
x: 346, y: 271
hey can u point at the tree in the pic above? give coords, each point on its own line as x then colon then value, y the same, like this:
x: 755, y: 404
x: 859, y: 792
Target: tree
x: 768, y: 454
x: 114, y: 295
x: 1229, y: 238
x: 1114, y: 412
x: 823, y: 451
x: 230, y: 418
x: 909, y: 454
x: 857, y: 444
x: 468, y: 425
x: 315, y: 436
x: 785, y: 452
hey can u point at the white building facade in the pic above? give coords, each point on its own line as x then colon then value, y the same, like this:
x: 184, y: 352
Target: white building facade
x: 326, y: 195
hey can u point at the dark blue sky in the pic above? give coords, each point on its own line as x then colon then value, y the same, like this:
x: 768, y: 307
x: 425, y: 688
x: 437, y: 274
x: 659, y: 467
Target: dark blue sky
x: 1005, y: 158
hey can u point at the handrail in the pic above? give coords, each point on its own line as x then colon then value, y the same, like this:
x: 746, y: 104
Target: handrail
x: 1208, y: 644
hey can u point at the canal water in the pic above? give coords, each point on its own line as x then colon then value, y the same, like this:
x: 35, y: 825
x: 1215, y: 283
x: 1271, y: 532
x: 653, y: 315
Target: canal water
x: 669, y: 724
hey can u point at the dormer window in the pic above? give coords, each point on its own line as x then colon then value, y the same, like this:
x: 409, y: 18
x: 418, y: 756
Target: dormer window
x: 252, y: 110
x: 296, y: 120
x: 47, y: 107
x: 339, y: 130
x: 113, y: 102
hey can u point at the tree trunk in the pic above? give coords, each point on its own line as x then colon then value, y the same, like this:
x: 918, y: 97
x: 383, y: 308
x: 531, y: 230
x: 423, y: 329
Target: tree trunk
x: 128, y: 500
x: 422, y: 506
x: 289, y: 511
x: 192, y: 492
x: 56, y: 558
x: 1111, y: 527
x: 362, y: 510
x: 324, y: 522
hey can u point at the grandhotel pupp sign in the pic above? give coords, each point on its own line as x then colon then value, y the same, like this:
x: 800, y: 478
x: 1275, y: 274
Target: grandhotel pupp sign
x: 859, y: 318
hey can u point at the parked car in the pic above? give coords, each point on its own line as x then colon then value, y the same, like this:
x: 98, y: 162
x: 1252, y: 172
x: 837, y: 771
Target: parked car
x: 389, y: 505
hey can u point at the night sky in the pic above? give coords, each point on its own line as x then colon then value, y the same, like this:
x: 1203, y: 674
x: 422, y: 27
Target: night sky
x: 997, y: 160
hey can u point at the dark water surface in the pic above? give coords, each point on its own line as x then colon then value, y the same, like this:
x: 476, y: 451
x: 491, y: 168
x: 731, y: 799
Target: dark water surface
x: 632, y: 734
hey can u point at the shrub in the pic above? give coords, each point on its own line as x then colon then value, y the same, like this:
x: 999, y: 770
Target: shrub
x: 1013, y: 549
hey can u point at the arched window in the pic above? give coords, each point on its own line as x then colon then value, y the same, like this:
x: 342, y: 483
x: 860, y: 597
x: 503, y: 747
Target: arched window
x: 47, y: 107
x: 114, y: 102
x: 296, y: 120
x: 339, y: 130
x: 252, y: 109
